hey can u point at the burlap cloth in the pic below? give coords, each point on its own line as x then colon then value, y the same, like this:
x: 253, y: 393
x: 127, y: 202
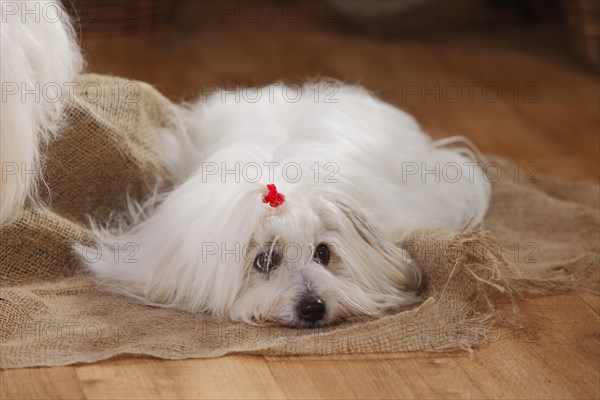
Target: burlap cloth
x: 53, y: 314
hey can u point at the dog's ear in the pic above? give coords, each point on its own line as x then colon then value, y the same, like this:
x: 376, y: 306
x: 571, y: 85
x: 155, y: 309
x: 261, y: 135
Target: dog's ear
x: 368, y: 232
x: 361, y: 224
x: 394, y: 255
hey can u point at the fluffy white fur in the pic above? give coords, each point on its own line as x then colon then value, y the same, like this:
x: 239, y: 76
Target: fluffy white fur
x: 196, y: 250
x: 36, y: 49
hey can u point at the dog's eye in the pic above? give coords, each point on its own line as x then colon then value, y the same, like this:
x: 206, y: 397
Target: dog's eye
x: 322, y: 254
x: 265, y: 262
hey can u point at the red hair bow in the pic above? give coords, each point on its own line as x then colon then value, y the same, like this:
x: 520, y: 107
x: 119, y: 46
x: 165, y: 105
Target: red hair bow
x: 274, y: 198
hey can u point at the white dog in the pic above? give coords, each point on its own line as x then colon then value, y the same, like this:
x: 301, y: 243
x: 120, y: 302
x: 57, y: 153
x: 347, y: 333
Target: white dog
x: 291, y: 208
x: 38, y: 56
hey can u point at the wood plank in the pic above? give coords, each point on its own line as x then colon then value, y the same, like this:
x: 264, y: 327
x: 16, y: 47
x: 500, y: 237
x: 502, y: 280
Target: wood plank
x: 229, y: 377
x: 557, y: 356
x: 376, y: 378
x: 40, y: 383
x: 592, y: 300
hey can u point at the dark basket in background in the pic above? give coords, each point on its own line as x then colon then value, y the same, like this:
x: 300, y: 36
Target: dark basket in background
x: 583, y: 21
x: 116, y: 18
x: 386, y: 18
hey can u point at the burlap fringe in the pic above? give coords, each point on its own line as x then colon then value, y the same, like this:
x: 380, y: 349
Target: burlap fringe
x: 561, y: 277
x: 496, y: 276
x: 488, y: 269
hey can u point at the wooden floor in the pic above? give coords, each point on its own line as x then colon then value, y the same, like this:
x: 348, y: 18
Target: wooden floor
x: 548, y: 114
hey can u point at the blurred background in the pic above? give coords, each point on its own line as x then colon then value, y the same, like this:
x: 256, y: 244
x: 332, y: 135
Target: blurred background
x: 518, y: 77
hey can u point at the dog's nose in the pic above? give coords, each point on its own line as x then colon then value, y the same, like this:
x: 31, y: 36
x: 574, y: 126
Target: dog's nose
x: 311, y: 310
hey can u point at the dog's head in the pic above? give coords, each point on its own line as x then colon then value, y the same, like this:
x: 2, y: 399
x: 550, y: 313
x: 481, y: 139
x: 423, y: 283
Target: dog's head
x: 319, y: 259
